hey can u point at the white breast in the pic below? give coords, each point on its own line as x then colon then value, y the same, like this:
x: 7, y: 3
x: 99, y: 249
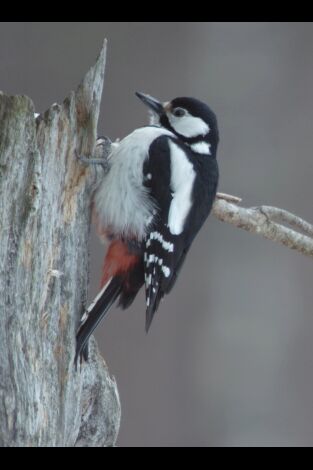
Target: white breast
x: 122, y: 203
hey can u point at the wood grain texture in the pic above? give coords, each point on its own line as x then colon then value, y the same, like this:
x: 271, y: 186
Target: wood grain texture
x: 45, y: 220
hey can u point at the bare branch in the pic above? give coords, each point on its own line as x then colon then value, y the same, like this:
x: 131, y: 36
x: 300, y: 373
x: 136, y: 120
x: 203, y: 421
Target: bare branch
x: 261, y: 220
x: 281, y: 215
x: 228, y: 197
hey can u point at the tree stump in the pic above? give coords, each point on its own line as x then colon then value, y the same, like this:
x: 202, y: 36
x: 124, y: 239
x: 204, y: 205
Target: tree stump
x: 45, y: 220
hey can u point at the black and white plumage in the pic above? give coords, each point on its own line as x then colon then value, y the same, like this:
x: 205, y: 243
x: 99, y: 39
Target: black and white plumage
x: 151, y: 204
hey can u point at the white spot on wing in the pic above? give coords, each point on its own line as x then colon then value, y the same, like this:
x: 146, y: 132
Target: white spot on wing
x: 168, y: 246
x: 166, y: 271
x: 151, y: 259
x: 148, y: 280
x: 182, y: 179
x: 201, y: 147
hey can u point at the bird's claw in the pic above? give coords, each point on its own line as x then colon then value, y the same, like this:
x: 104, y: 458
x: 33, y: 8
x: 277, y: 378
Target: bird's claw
x: 101, y: 153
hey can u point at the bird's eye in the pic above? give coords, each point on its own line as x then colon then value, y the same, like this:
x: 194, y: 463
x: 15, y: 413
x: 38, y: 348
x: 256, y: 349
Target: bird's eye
x: 179, y: 112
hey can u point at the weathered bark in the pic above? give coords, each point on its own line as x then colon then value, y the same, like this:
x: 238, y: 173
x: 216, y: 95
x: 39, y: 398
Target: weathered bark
x: 45, y: 219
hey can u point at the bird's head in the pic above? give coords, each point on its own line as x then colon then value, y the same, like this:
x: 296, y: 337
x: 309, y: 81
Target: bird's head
x: 190, y: 119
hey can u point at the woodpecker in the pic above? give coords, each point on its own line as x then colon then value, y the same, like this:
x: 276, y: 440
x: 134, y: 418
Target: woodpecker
x: 151, y: 204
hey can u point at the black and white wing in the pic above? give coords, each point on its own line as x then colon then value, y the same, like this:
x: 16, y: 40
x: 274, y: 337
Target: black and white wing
x: 169, y: 175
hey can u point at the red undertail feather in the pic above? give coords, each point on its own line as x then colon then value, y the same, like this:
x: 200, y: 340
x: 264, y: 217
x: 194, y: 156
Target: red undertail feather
x: 117, y: 261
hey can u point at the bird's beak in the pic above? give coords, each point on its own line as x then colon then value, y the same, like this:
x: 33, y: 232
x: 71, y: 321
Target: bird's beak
x: 151, y: 102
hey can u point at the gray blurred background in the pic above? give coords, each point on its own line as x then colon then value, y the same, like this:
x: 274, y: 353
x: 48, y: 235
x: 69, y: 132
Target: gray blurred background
x: 229, y: 357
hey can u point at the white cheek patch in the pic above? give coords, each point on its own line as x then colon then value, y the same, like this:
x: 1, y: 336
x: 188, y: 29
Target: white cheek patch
x: 182, y: 180
x: 201, y: 147
x: 188, y: 125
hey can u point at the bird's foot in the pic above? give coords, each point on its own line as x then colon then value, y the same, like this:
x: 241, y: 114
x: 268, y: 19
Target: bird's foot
x: 101, y: 156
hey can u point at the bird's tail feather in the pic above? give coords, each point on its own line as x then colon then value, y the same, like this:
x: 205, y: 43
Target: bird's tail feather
x: 95, y: 313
